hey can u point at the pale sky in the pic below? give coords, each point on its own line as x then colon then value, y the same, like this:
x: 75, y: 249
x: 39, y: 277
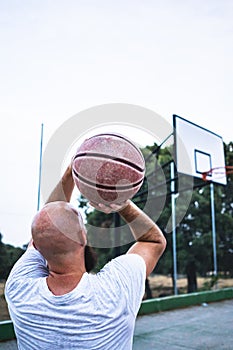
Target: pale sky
x: 61, y: 57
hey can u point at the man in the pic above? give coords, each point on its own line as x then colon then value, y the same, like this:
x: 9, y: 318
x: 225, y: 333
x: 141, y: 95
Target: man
x: 55, y: 303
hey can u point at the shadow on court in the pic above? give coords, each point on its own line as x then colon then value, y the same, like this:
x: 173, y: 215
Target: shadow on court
x: 204, y: 327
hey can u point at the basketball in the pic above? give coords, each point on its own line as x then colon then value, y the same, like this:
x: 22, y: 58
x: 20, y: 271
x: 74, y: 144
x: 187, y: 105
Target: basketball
x: 108, y: 168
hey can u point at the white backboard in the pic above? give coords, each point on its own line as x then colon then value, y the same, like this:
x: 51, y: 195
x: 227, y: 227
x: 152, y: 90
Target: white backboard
x: 197, y: 150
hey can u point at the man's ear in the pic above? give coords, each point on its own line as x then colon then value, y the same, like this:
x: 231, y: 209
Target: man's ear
x: 31, y: 244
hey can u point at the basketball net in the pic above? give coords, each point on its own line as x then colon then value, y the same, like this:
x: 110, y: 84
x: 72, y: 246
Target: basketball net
x: 217, y: 173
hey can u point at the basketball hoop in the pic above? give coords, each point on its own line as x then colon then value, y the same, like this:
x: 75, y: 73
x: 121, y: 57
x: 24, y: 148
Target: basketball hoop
x: 217, y: 173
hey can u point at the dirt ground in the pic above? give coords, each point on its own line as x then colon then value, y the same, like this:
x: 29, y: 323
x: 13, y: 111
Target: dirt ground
x: 4, y: 315
x: 160, y: 286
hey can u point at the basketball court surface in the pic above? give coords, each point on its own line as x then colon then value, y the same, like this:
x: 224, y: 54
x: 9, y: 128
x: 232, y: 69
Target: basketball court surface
x: 202, y: 327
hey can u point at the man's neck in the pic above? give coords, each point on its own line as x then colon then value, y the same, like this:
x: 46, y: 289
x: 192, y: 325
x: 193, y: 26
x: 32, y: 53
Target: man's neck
x: 63, y: 283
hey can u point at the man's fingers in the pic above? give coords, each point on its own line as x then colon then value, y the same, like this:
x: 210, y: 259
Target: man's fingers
x: 102, y: 207
x: 117, y: 207
x: 109, y: 208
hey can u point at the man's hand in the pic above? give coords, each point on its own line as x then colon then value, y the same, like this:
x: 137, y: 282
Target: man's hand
x: 111, y: 207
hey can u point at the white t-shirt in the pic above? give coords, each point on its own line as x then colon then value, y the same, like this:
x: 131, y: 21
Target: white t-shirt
x: 99, y: 313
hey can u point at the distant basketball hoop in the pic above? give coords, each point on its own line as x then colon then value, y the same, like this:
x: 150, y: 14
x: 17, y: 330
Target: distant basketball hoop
x: 217, y: 173
x: 205, y: 149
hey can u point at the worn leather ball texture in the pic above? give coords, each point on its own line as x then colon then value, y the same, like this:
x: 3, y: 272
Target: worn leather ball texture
x: 108, y: 168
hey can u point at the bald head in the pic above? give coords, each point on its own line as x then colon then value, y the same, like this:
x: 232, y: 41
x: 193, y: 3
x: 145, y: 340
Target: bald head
x: 58, y: 229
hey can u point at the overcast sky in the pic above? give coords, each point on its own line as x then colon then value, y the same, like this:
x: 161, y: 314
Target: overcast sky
x: 61, y: 57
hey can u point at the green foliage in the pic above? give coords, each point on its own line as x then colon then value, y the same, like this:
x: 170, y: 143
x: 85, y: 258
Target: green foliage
x: 209, y: 284
x: 8, y: 256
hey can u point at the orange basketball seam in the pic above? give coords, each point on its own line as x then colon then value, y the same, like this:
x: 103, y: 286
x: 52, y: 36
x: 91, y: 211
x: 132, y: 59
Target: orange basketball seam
x: 106, y: 156
x: 106, y: 186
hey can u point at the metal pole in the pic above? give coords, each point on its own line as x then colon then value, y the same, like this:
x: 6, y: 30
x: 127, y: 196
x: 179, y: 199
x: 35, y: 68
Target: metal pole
x: 173, y: 205
x: 40, y: 166
x: 117, y: 234
x: 213, y: 228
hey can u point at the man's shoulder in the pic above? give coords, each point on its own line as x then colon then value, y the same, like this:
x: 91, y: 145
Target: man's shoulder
x: 126, y: 263
x: 30, y: 265
x: 129, y: 258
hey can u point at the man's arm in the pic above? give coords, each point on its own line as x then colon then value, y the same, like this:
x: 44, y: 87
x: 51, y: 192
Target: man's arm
x: 151, y: 242
x: 64, y: 188
x: 62, y: 191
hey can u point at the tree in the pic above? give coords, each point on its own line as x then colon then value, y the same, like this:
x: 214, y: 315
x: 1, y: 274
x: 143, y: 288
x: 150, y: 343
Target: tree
x: 8, y: 256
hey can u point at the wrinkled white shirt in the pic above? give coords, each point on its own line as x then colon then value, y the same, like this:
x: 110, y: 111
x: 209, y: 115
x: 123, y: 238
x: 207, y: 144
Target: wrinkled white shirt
x: 99, y: 313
